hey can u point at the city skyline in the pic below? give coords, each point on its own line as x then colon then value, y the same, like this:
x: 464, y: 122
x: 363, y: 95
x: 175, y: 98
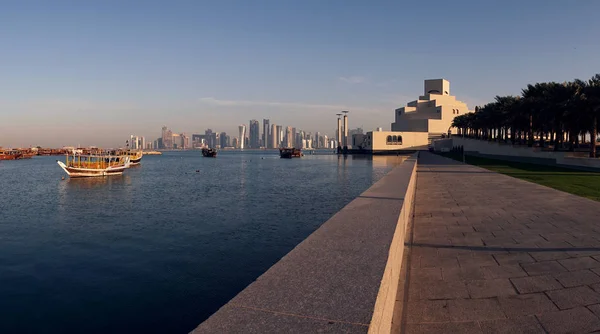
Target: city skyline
x: 275, y: 137
x: 94, y: 73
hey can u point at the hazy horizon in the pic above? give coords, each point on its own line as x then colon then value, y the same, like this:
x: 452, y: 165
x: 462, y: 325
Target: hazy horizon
x: 75, y: 73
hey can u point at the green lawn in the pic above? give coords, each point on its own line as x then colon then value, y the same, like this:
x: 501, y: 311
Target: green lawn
x: 585, y: 184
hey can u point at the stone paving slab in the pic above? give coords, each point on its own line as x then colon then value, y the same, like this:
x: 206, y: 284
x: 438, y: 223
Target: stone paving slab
x: 493, y: 254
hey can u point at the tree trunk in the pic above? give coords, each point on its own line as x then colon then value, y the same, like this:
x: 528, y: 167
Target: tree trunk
x: 530, y: 143
x: 594, y: 135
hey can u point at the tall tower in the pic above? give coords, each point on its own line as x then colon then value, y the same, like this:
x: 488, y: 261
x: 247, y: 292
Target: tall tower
x: 274, y: 139
x: 254, y: 134
x: 338, y: 133
x: 288, y: 137
x: 266, y: 135
x: 345, y: 128
x: 242, y: 129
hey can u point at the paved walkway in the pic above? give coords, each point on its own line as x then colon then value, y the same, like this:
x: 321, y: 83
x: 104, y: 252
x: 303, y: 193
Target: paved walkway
x: 495, y: 254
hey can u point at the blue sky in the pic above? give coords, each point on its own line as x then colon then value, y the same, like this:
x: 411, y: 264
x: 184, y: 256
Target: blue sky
x: 94, y: 72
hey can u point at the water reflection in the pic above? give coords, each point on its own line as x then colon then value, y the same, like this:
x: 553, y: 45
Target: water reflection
x: 96, y: 182
x: 388, y: 160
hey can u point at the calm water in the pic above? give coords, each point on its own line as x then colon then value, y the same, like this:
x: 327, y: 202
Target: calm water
x: 162, y: 247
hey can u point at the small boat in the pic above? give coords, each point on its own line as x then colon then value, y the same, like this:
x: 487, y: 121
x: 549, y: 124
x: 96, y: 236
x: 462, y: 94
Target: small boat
x: 135, y: 156
x: 288, y: 153
x: 209, y: 153
x: 95, y: 165
x: 11, y: 155
x: 27, y: 155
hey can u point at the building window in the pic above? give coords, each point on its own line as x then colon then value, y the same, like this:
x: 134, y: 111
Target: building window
x: 394, y: 140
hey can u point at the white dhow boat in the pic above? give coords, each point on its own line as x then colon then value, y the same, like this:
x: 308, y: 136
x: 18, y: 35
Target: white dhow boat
x: 95, y: 165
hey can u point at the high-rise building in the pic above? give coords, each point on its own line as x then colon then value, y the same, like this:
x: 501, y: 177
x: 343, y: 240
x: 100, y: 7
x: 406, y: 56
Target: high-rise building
x: 317, y: 140
x: 266, y: 134
x: 176, y: 141
x: 254, y: 134
x: 210, y: 138
x: 223, y: 140
x: 185, y: 141
x: 235, y: 143
x: 273, y: 139
x: 345, y: 139
x: 289, y: 140
x: 279, y: 135
x: 167, y: 138
x: 293, y: 138
x: 338, y: 131
x: 242, y: 137
x: 137, y: 142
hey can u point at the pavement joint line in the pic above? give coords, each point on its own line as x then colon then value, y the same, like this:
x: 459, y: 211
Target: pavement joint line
x: 299, y: 315
x: 541, y: 324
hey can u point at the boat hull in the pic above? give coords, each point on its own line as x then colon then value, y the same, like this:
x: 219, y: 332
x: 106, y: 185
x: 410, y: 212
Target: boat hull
x: 209, y: 153
x: 289, y: 153
x: 74, y: 172
x: 137, y: 161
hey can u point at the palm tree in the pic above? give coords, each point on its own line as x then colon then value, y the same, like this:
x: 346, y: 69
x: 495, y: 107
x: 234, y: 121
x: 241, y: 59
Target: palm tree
x: 556, y: 112
x: 592, y: 100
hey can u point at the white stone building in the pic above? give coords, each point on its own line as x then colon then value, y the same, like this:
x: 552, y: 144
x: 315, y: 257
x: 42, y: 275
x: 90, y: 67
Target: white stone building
x: 429, y: 117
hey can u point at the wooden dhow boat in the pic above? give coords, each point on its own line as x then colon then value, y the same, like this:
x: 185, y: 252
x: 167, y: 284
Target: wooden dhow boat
x: 95, y: 165
x: 209, y: 153
x: 290, y: 152
x: 11, y: 155
x: 135, y: 156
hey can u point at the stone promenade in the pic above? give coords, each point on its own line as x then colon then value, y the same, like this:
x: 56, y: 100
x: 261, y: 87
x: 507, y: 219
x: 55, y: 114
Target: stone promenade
x: 487, y: 253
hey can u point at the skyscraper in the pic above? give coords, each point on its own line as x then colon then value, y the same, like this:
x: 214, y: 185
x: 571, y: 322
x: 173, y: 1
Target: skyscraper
x: 293, y: 138
x: 274, y: 140
x: 266, y: 135
x: 254, y: 134
x: 211, y: 138
x: 317, y: 140
x: 167, y: 138
x: 223, y: 139
x: 289, y: 140
x: 185, y: 141
x: 137, y: 142
x: 242, y: 136
x: 279, y: 135
x: 345, y: 139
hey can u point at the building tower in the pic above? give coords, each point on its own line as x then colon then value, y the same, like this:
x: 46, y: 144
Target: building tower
x: 242, y: 129
x: 254, y: 134
x: 345, y: 128
x: 266, y: 134
x: 338, y: 132
x: 279, y: 135
x: 274, y: 137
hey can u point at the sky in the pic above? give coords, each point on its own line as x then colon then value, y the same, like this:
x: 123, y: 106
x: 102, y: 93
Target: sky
x: 94, y: 72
